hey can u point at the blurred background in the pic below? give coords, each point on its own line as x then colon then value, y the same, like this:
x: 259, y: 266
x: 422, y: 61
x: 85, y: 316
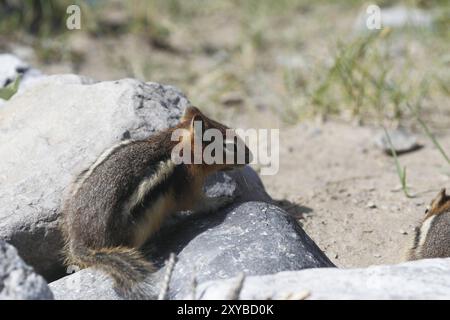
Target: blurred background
x: 311, y: 68
x: 290, y: 58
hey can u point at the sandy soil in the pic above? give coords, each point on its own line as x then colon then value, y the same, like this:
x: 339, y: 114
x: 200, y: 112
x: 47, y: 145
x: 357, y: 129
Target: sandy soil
x: 346, y: 193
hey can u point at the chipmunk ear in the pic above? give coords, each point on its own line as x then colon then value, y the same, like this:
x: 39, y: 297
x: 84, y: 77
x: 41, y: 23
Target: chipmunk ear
x: 443, y: 198
x: 198, y: 125
x: 190, y: 112
x: 440, y: 200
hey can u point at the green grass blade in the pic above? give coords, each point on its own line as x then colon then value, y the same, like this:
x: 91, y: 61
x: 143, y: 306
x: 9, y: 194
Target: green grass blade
x: 10, y: 90
x: 400, y: 172
x: 429, y: 134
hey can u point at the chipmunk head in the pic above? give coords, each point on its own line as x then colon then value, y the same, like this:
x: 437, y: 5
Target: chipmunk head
x: 438, y: 205
x: 213, y: 145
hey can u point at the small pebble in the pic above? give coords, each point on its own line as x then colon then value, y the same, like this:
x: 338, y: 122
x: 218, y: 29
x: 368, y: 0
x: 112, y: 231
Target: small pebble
x: 371, y: 205
x: 402, y: 141
x: 232, y: 99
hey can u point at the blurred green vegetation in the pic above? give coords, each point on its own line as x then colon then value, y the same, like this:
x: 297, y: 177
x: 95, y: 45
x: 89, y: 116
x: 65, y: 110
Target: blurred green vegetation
x: 7, y: 92
x: 296, y: 58
x: 37, y: 17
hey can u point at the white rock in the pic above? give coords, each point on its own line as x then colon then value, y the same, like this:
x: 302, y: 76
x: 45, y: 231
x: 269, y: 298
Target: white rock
x: 423, y: 279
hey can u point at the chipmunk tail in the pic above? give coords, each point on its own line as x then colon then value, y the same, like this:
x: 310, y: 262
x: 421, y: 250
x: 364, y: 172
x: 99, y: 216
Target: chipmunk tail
x: 127, y: 266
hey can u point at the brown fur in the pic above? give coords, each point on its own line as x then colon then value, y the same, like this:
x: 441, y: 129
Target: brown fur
x: 440, y: 204
x: 432, y: 236
x: 122, y: 199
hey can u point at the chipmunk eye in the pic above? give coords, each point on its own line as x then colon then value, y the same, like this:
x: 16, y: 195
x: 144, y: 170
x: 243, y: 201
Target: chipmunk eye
x: 426, y: 210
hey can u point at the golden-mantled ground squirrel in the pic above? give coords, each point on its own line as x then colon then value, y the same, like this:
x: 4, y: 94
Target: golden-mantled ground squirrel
x: 432, y: 236
x: 120, y: 201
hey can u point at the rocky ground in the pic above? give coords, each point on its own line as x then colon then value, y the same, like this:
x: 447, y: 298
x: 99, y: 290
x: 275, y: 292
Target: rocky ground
x: 261, y: 65
x: 333, y: 180
x: 253, y: 67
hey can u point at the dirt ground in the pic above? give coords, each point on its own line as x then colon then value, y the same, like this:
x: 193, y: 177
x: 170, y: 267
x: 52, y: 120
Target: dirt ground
x: 347, y: 194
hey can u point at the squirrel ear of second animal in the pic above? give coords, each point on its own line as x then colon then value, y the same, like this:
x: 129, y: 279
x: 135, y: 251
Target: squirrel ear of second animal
x: 442, y: 196
x: 439, y: 201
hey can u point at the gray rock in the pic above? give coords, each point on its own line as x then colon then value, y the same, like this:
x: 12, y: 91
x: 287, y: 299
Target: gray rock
x: 402, y: 141
x: 53, y: 130
x: 251, y: 236
x: 256, y: 238
x: 422, y: 279
x: 86, y: 284
x: 18, y: 281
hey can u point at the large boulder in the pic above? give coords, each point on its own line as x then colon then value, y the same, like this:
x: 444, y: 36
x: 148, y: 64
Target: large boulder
x: 422, y: 279
x: 53, y: 130
x: 250, y: 236
x: 18, y: 281
x: 255, y: 238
